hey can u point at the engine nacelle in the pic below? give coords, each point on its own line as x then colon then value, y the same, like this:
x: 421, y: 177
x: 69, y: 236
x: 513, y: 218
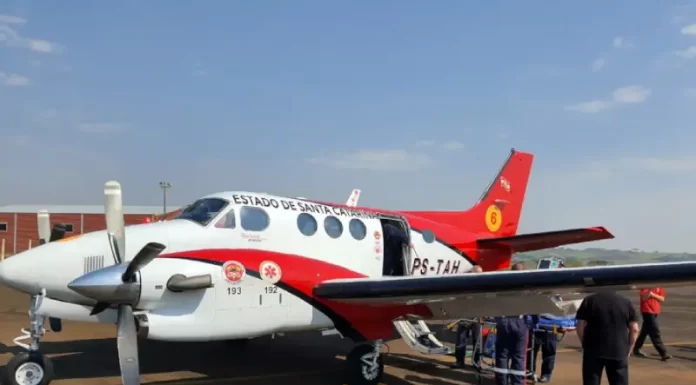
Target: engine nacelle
x: 69, y: 311
x: 174, y: 327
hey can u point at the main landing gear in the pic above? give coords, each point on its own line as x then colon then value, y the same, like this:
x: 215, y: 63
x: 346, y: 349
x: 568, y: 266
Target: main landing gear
x: 30, y: 367
x: 365, y: 365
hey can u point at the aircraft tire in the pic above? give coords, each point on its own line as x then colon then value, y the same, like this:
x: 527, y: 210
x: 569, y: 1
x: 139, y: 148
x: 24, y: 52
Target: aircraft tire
x: 359, y: 372
x: 31, y: 368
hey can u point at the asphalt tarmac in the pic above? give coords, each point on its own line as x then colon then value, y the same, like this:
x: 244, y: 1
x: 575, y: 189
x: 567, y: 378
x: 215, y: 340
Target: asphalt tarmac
x: 85, y: 354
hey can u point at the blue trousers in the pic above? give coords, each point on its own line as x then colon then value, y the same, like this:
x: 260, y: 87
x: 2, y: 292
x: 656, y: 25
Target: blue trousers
x: 547, y: 343
x: 512, y: 335
x: 465, y: 335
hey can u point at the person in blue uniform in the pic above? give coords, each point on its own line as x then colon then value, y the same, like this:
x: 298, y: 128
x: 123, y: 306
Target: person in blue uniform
x: 395, y: 239
x: 512, y: 335
x: 465, y: 334
x: 547, y: 343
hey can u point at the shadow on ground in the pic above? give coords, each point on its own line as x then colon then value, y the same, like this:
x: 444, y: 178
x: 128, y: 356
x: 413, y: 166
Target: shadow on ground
x: 256, y: 361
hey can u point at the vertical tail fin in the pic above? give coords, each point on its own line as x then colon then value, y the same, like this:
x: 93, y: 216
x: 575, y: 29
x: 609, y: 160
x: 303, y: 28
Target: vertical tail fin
x: 497, y: 213
x: 499, y: 209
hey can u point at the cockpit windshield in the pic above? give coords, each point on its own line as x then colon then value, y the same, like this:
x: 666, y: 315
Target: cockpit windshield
x: 203, y: 210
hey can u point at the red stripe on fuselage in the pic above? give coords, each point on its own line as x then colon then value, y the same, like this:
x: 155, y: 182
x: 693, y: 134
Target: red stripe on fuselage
x: 303, y: 274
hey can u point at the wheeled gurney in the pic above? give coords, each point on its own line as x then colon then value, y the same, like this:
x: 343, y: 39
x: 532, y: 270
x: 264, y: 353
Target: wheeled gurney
x: 483, y: 355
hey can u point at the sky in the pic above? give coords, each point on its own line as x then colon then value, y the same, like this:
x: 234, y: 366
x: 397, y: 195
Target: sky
x: 416, y: 103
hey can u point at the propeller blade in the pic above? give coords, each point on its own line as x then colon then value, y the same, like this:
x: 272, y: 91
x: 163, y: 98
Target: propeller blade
x: 127, y: 342
x: 43, y: 221
x: 99, y: 307
x: 114, y: 249
x: 58, y: 232
x: 113, y: 210
x: 144, y: 256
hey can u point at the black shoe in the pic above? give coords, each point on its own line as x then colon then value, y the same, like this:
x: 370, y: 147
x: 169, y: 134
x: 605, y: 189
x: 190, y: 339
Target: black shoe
x: 666, y: 357
x: 638, y: 353
x: 457, y: 366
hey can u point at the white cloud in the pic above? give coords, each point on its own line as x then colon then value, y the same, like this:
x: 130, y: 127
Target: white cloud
x: 688, y: 53
x: 452, y: 145
x: 619, y: 42
x: 376, y: 160
x: 101, y: 128
x: 591, y: 107
x: 11, y: 38
x: 425, y: 143
x: 689, y: 30
x: 14, y: 80
x: 598, y: 64
x: 7, y: 19
x: 631, y: 94
x: 665, y: 165
x: 623, y: 95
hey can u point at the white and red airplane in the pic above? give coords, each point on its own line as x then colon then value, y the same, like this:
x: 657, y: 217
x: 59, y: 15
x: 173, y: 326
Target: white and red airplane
x: 238, y: 265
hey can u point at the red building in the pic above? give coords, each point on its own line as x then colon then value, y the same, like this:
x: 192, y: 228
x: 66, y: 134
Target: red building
x: 18, y: 223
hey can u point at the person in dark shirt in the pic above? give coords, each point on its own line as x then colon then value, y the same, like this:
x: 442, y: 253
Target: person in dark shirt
x: 394, y: 241
x: 607, y: 328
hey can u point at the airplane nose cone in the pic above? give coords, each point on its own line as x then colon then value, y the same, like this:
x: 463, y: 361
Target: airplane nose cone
x: 18, y: 272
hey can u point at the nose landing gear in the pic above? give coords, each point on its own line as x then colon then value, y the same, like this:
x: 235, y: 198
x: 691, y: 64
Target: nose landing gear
x: 365, y: 365
x: 30, y: 367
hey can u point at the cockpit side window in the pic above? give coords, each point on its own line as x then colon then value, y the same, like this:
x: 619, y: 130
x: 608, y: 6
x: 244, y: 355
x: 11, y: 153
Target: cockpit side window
x: 203, y: 210
x: 229, y: 221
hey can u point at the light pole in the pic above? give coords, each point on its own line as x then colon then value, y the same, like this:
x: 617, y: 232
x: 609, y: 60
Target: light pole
x: 164, y: 186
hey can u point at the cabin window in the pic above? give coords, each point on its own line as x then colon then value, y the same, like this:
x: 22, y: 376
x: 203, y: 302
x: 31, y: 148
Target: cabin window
x: 254, y: 218
x: 333, y: 227
x: 68, y: 227
x: 229, y: 221
x: 357, y: 229
x: 428, y: 236
x: 307, y: 224
x: 3, y: 227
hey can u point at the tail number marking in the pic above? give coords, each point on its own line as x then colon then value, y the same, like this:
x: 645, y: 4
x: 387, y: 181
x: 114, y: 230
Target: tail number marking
x: 423, y: 266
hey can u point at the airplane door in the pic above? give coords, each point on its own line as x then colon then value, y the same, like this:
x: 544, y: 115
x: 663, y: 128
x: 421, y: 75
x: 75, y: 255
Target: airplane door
x: 401, y: 223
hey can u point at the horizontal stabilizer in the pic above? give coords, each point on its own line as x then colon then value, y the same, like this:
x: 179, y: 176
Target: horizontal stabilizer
x: 539, y: 241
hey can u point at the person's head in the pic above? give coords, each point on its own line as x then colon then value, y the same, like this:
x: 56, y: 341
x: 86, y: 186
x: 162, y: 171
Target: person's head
x: 518, y: 266
x: 476, y: 269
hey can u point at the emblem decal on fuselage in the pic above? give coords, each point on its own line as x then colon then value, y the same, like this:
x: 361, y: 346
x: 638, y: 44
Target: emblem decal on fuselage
x: 233, y: 272
x: 270, y: 272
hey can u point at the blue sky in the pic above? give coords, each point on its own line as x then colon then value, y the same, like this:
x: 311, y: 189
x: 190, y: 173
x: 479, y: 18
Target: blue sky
x: 416, y: 103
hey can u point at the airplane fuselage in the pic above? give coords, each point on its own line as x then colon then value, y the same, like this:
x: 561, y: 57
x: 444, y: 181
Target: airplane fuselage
x: 283, y: 248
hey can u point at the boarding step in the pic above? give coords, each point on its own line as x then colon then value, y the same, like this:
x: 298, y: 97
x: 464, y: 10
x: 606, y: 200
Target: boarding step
x: 420, y: 338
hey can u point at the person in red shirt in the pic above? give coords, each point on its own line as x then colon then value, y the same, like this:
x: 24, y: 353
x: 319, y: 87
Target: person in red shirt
x: 650, y: 306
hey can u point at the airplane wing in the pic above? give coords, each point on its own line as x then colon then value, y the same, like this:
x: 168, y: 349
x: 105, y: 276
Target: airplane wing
x: 353, y: 198
x: 539, y: 241
x: 503, y: 292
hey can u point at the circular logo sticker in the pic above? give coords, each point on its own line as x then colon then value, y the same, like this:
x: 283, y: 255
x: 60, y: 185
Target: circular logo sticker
x: 494, y: 218
x: 270, y: 271
x: 233, y: 271
x: 378, y: 235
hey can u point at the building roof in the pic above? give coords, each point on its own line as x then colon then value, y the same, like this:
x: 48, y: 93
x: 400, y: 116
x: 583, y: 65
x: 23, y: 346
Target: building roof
x: 81, y: 209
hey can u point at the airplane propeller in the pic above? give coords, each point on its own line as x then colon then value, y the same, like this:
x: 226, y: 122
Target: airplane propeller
x: 43, y: 220
x: 118, y: 284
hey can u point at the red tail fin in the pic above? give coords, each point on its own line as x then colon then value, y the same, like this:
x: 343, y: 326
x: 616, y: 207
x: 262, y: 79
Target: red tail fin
x: 498, y: 211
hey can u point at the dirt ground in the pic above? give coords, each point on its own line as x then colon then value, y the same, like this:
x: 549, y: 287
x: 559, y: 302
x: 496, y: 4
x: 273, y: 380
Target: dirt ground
x: 85, y: 354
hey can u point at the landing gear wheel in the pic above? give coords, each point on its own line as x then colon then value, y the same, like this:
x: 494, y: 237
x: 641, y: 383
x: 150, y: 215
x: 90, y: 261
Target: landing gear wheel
x: 365, y: 366
x: 29, y: 368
